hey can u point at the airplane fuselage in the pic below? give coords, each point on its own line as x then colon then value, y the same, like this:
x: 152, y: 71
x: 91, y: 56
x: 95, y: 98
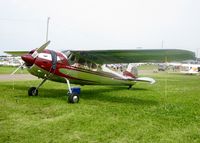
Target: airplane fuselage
x: 56, y: 66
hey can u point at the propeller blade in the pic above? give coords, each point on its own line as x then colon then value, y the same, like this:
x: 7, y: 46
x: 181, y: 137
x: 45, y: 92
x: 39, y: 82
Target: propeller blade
x: 17, y: 69
x: 39, y: 50
x: 43, y: 47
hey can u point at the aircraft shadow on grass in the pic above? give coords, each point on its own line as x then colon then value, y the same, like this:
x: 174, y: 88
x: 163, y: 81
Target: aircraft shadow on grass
x: 102, y: 94
x: 114, y: 95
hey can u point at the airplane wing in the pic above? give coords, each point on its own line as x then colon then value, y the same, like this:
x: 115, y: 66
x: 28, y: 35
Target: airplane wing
x: 16, y: 53
x: 134, y: 56
x: 20, y: 53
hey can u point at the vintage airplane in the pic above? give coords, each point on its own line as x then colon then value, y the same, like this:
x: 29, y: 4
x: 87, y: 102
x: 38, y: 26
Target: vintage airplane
x: 92, y: 67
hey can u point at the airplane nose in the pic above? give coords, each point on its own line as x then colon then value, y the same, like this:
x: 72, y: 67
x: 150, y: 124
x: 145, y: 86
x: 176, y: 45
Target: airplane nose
x: 28, y: 59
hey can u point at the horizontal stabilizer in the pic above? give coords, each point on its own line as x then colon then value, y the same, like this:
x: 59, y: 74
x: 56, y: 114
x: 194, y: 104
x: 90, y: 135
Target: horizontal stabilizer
x: 146, y: 79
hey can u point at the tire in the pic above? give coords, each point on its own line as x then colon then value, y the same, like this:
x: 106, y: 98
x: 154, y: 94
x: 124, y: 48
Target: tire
x: 73, y: 98
x: 32, y: 91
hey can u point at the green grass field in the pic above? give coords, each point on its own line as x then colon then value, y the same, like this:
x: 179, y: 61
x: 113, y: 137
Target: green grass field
x: 168, y: 111
x: 9, y: 70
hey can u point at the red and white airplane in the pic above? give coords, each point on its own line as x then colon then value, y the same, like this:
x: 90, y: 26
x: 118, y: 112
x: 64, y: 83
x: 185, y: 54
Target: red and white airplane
x: 92, y: 67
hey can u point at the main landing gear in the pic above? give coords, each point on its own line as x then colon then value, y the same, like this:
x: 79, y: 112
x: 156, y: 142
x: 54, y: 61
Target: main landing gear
x: 73, y: 94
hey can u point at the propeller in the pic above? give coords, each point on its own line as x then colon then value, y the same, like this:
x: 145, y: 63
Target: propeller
x: 34, y: 55
x: 39, y: 50
x: 17, y: 69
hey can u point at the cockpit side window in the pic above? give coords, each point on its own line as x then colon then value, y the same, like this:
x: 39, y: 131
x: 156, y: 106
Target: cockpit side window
x: 80, y: 62
x: 72, y: 58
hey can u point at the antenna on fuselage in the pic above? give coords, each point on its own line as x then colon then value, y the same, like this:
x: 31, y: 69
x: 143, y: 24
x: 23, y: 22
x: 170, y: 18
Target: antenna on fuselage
x: 47, y: 32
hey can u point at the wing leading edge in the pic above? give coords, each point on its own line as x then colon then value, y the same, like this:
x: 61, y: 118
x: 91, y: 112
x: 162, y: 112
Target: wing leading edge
x: 16, y: 53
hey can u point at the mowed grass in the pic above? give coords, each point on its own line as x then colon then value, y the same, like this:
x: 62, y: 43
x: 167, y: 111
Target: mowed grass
x: 9, y: 70
x: 168, y: 111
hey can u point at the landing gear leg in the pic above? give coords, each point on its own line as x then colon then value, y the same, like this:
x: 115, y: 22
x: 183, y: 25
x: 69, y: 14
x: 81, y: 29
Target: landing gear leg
x: 72, y: 97
x: 33, y: 91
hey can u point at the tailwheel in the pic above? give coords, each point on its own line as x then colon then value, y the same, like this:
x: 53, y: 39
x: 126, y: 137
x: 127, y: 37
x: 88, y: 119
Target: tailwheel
x: 129, y: 87
x: 33, y: 91
x: 73, y: 98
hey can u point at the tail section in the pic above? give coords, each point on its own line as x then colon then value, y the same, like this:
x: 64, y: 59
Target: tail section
x: 128, y: 74
x: 131, y: 71
x: 146, y: 79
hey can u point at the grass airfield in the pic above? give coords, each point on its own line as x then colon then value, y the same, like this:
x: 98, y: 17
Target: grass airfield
x: 10, y: 69
x: 167, y: 111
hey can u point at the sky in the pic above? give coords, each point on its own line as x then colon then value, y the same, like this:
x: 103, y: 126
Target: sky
x: 100, y: 24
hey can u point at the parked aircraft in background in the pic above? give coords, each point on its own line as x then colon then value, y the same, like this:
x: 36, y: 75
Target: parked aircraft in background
x: 10, y: 61
x: 186, y: 68
x: 93, y: 67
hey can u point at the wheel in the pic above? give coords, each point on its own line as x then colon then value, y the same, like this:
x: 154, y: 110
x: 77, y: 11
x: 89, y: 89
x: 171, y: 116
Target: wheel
x: 32, y: 91
x: 73, y: 98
